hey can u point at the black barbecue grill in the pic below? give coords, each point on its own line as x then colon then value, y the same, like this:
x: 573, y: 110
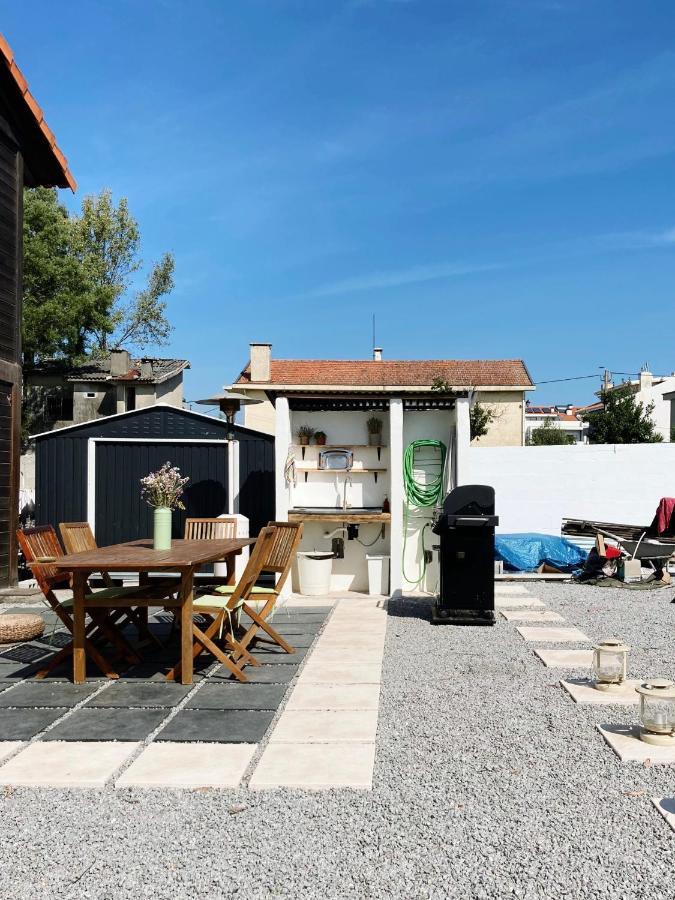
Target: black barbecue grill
x: 466, y: 526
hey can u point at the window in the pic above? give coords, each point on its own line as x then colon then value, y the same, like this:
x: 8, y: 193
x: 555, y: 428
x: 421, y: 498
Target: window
x: 130, y: 398
x: 90, y: 395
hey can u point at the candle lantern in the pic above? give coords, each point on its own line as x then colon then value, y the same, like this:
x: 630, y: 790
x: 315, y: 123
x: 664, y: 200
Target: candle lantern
x: 610, y: 663
x: 657, y: 711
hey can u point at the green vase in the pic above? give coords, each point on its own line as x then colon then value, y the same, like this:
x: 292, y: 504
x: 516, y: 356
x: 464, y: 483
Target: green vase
x: 162, y: 533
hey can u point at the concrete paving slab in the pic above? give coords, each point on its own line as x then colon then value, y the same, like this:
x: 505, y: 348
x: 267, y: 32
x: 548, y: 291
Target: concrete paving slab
x: 45, y: 693
x: 237, y: 696
x: 279, y: 657
x: 299, y: 726
x: 169, y: 765
x: 149, y: 695
x: 102, y: 725
x: 524, y: 602
x: 349, y: 656
x: 73, y: 765
x: 581, y: 690
x: 257, y: 675
x: 23, y: 724
x: 315, y: 766
x: 531, y: 615
x: 510, y: 588
x: 625, y: 742
x: 320, y: 672
x: 554, y: 635
x: 228, y: 726
x: 666, y: 806
x: 565, y: 659
x: 334, y: 696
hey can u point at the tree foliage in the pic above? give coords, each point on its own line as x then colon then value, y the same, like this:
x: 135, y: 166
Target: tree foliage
x: 81, y: 274
x: 622, y: 420
x: 480, y: 417
x: 548, y: 434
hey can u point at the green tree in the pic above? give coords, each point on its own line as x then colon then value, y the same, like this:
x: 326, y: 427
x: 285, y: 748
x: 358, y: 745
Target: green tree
x: 79, y: 277
x: 548, y: 434
x: 480, y: 418
x: 622, y: 420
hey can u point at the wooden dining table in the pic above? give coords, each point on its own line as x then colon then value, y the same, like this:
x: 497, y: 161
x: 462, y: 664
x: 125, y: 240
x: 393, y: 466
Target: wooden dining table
x: 184, y: 557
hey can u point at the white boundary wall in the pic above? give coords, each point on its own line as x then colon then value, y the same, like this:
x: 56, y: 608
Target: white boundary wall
x: 537, y: 486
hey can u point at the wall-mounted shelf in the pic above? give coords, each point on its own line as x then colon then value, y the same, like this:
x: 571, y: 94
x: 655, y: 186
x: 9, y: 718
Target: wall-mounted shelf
x: 378, y: 447
x: 307, y: 469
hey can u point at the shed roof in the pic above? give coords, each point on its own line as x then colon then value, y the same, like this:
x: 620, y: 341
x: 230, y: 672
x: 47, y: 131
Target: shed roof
x: 460, y: 373
x: 45, y: 163
x: 146, y: 370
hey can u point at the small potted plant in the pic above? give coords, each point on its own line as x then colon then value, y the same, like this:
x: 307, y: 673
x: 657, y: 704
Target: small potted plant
x: 305, y: 435
x: 162, y: 490
x: 374, y: 426
x: 320, y: 437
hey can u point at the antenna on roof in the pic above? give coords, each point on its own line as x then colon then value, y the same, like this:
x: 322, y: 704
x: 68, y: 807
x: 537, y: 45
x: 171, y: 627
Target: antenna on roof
x: 373, y: 344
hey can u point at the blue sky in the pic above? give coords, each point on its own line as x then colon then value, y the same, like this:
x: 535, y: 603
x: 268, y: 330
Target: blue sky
x: 491, y: 179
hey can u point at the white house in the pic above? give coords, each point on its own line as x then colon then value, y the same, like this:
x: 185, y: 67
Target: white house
x: 566, y: 418
x: 337, y: 397
x: 654, y: 389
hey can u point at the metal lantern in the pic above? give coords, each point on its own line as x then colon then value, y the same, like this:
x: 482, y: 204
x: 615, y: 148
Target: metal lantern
x: 610, y: 662
x: 657, y: 711
x: 229, y: 403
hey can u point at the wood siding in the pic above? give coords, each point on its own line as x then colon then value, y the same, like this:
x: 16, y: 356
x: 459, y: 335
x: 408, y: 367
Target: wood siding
x: 11, y: 187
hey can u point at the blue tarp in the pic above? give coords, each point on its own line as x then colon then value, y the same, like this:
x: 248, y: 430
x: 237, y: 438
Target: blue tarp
x: 526, y: 552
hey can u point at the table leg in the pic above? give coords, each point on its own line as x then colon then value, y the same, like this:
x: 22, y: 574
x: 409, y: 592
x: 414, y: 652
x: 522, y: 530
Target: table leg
x: 230, y: 563
x: 186, y: 636
x: 79, y: 652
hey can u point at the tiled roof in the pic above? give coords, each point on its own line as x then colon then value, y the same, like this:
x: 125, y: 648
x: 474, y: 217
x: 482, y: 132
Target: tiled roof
x: 7, y: 59
x: 408, y: 373
x: 162, y: 369
x: 99, y: 370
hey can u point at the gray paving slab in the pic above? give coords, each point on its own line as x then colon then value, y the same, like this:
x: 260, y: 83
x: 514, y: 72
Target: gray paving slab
x: 258, y: 675
x: 230, y: 726
x: 156, y: 671
x: 88, y: 724
x: 23, y: 724
x: 46, y: 693
x: 24, y: 653
x: 237, y: 696
x: 295, y: 640
x: 279, y: 657
x: 141, y: 694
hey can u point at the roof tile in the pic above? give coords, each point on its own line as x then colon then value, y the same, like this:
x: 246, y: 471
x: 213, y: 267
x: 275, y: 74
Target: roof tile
x: 372, y: 373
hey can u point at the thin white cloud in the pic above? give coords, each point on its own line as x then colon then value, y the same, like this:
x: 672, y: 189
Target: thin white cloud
x: 399, y: 277
x: 637, y: 240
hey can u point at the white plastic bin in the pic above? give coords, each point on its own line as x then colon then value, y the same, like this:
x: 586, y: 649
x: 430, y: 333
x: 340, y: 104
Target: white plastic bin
x: 314, y: 571
x: 378, y: 574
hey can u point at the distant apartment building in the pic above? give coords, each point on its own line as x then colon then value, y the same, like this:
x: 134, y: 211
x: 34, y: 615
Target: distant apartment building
x: 566, y: 417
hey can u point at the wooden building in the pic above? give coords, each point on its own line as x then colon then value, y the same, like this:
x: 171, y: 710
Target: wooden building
x: 28, y: 157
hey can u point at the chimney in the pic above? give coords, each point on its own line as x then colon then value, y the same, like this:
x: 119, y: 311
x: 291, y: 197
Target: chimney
x: 120, y: 362
x: 261, y: 362
x: 146, y: 368
x: 646, y: 378
x: 377, y: 354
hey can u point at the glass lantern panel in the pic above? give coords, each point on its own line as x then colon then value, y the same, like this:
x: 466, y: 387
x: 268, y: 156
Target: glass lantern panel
x: 609, y: 666
x: 658, y: 714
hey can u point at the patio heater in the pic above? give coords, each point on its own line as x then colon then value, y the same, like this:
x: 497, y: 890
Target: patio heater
x: 229, y: 403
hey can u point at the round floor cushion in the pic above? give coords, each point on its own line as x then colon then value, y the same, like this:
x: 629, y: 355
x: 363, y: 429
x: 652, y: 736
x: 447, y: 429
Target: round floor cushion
x: 20, y: 627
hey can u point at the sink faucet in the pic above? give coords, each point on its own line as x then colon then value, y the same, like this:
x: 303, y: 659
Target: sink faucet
x: 348, y: 481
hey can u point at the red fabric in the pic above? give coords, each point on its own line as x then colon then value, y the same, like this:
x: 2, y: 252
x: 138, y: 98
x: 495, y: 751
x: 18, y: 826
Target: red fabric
x: 612, y: 552
x: 664, y: 515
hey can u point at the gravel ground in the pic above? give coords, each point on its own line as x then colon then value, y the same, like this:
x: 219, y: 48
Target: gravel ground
x: 489, y: 783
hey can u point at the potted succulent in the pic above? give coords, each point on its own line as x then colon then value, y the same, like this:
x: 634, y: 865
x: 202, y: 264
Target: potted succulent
x: 374, y: 426
x: 320, y: 437
x: 305, y: 434
x: 162, y: 490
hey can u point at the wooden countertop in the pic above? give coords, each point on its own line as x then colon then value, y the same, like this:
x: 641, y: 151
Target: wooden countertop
x: 339, y: 516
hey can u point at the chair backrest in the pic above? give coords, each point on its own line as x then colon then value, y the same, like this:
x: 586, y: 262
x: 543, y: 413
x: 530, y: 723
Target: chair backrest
x: 281, y: 551
x: 78, y: 537
x: 41, y: 543
x: 258, y: 553
x: 210, y: 529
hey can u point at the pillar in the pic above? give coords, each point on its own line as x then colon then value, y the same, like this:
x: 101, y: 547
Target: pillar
x: 396, y: 495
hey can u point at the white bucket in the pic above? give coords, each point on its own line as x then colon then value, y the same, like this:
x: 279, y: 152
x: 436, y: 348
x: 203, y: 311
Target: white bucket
x: 314, y: 571
x: 378, y: 574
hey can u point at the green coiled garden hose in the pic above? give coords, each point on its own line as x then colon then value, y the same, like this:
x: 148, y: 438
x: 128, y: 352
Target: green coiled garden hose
x: 421, y: 494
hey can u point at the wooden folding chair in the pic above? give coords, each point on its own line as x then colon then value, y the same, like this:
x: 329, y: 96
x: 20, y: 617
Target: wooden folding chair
x: 219, y: 610
x: 210, y: 529
x: 77, y: 537
x: 278, y: 562
x: 41, y: 547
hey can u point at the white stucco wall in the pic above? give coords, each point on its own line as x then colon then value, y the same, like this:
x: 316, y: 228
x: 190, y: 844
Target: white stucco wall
x: 537, y: 486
